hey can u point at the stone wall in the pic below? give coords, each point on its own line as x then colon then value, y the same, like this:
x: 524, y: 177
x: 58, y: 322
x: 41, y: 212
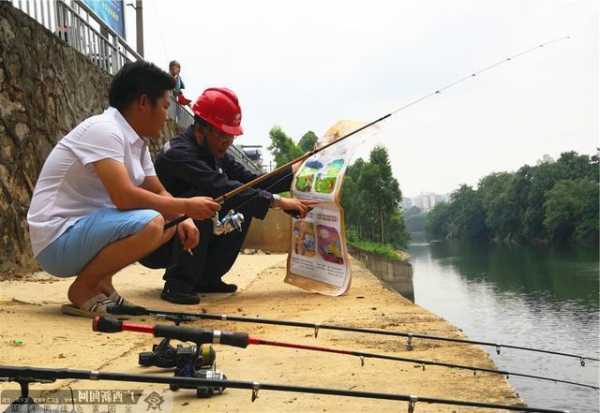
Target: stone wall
x: 46, y: 88
x: 397, y: 274
x: 271, y: 234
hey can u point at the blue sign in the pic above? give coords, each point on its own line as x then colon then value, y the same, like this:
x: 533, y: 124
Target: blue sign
x: 111, y: 12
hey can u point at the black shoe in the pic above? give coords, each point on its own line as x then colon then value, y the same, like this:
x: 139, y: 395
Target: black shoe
x: 178, y: 296
x: 218, y: 287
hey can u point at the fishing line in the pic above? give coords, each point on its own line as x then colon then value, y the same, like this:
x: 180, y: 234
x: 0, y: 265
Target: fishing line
x: 438, y: 91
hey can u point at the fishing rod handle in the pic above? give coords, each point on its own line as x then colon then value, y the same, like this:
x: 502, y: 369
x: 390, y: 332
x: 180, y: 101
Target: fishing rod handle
x: 194, y: 335
x: 201, y: 336
x: 176, y: 221
x: 112, y: 325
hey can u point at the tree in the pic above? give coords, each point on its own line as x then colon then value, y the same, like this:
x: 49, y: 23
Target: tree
x: 283, y: 147
x: 551, y: 202
x: 495, y: 193
x: 371, y: 198
x: 467, y: 217
x: 308, y: 141
x: 436, y: 223
x: 571, y: 211
x: 414, y: 219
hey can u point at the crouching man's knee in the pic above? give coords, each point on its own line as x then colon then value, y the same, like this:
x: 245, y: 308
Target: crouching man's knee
x: 156, y: 233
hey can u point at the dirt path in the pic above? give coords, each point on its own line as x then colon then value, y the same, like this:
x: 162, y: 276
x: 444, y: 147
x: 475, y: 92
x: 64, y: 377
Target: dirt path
x: 29, y: 311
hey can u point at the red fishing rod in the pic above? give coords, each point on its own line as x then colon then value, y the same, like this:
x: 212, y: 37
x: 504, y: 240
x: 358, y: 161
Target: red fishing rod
x: 243, y: 340
x: 135, y: 310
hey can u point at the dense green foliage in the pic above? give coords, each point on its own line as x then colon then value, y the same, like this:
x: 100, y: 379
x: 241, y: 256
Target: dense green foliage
x: 371, y: 198
x: 552, y: 202
x: 414, y: 219
x: 284, y: 148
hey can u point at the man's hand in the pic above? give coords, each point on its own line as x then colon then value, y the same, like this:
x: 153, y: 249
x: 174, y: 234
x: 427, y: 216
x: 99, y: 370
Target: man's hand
x: 201, y: 207
x: 188, y: 234
x: 300, y: 206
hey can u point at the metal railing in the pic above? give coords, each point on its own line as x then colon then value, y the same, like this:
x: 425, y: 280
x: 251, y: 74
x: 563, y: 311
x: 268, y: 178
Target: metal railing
x: 78, y: 26
x: 74, y: 23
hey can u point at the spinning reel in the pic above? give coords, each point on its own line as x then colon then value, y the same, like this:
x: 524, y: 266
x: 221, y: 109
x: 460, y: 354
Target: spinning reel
x: 232, y: 221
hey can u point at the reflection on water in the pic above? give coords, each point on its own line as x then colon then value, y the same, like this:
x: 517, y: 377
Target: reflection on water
x: 523, y: 296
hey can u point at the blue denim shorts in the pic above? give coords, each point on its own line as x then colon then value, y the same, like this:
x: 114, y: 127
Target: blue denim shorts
x: 80, y: 243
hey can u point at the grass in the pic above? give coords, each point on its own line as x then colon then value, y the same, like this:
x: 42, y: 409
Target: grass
x: 385, y: 250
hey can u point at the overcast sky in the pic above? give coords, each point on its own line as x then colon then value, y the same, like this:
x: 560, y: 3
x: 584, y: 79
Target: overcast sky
x: 305, y: 65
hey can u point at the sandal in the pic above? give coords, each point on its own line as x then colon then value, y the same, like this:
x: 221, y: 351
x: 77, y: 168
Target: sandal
x: 95, y: 306
x: 118, y: 299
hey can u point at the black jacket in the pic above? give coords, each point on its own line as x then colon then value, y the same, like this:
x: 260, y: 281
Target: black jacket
x: 187, y: 168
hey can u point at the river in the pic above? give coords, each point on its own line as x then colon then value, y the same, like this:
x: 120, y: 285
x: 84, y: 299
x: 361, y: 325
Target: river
x: 524, y: 296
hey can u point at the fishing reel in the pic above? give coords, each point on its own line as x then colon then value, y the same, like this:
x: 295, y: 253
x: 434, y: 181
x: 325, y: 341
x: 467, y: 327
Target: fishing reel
x: 206, y: 374
x: 232, y: 221
x: 166, y: 356
x: 198, y: 362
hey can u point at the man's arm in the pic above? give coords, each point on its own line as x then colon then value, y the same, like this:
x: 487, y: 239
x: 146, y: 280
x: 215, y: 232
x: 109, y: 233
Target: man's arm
x: 125, y: 195
x: 153, y: 184
x: 186, y: 231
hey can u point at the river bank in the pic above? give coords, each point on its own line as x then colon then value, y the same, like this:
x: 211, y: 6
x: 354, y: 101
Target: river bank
x: 30, y: 312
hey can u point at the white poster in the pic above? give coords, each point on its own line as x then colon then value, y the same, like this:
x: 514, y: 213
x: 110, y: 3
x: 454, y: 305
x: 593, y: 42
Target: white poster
x: 318, y: 259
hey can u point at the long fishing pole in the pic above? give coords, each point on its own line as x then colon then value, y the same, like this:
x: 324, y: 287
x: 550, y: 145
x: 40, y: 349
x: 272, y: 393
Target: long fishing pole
x: 183, y: 316
x: 307, y: 155
x: 243, y: 340
x: 20, y: 374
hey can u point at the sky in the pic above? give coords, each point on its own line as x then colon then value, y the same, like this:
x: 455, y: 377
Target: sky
x: 305, y: 65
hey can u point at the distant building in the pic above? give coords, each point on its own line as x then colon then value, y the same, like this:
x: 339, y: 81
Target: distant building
x: 424, y: 201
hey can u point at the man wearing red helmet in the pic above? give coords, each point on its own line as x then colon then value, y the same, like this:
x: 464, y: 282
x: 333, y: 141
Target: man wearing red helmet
x: 197, y: 163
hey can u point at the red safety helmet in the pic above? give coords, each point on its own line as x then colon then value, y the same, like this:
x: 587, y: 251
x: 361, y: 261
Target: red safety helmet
x: 219, y: 106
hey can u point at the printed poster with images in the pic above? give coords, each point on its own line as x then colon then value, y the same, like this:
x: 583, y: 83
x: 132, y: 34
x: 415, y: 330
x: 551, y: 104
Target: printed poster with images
x: 318, y: 260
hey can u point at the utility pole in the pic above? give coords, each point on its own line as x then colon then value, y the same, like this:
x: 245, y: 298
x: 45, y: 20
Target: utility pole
x: 139, y: 25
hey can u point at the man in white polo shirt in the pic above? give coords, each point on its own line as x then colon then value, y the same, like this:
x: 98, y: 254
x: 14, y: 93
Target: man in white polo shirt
x: 98, y: 205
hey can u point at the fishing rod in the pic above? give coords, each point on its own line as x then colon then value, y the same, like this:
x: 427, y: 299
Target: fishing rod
x: 183, y: 316
x: 307, y: 155
x: 26, y: 375
x: 243, y: 340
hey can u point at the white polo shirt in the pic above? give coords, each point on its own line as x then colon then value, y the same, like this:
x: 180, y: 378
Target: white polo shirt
x: 68, y: 187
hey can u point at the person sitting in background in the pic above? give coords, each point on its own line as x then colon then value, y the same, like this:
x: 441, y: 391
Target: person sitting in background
x: 175, y: 71
x: 97, y: 205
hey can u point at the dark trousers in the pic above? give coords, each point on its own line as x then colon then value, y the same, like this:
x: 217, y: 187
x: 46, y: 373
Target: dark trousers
x: 212, y: 258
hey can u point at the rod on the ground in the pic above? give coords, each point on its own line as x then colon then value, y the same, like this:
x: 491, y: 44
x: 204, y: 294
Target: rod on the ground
x: 20, y: 373
x: 200, y: 336
x: 138, y: 310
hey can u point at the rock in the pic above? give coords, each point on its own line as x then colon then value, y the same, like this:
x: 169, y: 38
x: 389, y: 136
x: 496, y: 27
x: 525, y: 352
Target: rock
x: 21, y: 130
x: 7, y: 30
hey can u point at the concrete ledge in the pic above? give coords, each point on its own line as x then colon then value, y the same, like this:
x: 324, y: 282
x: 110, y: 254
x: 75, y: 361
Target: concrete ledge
x: 271, y: 234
